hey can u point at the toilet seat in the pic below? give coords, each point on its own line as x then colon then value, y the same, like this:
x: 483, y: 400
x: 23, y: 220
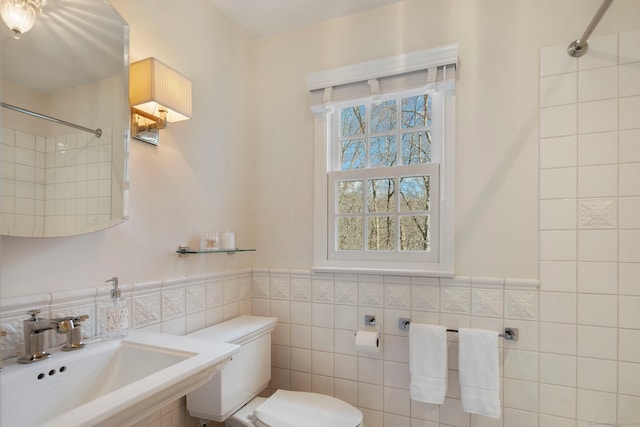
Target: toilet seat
x: 295, y: 409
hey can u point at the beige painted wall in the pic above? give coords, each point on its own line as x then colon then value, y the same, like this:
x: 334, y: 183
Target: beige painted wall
x: 497, y: 118
x: 200, y: 177
x: 203, y: 174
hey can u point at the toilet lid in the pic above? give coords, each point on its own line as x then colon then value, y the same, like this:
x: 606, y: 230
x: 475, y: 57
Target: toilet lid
x: 296, y: 408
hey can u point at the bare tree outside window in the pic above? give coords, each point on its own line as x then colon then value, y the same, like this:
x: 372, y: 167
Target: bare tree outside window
x: 391, y: 211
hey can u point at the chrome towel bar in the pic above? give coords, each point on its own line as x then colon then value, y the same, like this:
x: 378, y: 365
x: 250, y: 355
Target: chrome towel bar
x: 510, y: 334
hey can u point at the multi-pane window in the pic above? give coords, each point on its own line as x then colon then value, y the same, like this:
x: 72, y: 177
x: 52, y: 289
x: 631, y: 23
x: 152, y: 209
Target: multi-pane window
x: 384, y: 165
x: 384, y: 180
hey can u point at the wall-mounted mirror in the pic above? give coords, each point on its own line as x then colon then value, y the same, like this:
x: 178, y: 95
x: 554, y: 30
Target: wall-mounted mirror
x: 72, y: 66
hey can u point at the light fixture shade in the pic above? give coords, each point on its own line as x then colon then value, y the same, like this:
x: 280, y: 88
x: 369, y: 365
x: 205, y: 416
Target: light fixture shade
x: 20, y: 15
x: 154, y: 86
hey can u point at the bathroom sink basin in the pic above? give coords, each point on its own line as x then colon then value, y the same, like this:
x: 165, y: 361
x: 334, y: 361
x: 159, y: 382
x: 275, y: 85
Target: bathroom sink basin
x: 109, y: 383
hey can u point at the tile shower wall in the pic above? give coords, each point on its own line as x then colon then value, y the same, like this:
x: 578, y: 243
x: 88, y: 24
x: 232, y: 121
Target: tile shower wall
x: 54, y: 186
x: 313, y: 345
x: 22, y: 182
x: 589, y: 360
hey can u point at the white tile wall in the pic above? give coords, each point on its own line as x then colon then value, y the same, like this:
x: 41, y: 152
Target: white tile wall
x: 600, y: 83
x: 558, y: 214
x: 598, y: 310
x: 629, y: 112
x: 558, y: 121
x: 557, y: 369
x: 558, y: 183
x: 558, y: 152
x: 558, y: 276
x: 558, y: 89
x: 557, y: 400
x: 54, y: 186
x: 320, y: 355
x: 629, y: 75
x: 628, y: 278
x: 589, y: 360
x: 630, y: 178
x: 603, y: 53
x: 597, y: 277
x: 597, y: 181
x: 598, y: 148
x: 558, y: 245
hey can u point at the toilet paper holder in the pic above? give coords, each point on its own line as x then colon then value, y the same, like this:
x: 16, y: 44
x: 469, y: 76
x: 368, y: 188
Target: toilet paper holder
x: 370, y: 320
x: 510, y: 334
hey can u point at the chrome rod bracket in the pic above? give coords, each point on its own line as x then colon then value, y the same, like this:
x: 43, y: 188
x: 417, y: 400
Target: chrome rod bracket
x: 579, y: 47
x: 404, y: 323
x: 510, y: 334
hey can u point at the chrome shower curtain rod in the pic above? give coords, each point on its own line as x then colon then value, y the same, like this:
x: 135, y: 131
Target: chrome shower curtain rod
x: 580, y: 46
x: 96, y: 132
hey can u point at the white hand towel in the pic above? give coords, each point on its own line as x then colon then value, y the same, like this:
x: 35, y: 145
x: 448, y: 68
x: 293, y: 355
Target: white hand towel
x: 428, y: 362
x: 479, y: 372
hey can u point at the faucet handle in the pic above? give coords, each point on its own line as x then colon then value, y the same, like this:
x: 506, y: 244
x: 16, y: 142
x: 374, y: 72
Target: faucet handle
x: 65, y: 325
x: 74, y: 334
x: 34, y: 314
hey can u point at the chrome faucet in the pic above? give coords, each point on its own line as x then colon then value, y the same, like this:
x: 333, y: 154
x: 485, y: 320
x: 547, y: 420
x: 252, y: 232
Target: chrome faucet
x: 35, y: 327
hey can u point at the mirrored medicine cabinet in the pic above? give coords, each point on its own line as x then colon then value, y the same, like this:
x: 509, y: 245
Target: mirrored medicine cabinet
x: 66, y: 176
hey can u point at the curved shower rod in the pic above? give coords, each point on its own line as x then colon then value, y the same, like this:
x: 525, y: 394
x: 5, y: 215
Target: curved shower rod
x: 96, y: 132
x: 580, y: 46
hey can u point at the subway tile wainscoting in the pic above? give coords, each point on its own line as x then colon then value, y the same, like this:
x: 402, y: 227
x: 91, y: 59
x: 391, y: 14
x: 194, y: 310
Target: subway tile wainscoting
x: 313, y: 345
x: 176, y: 306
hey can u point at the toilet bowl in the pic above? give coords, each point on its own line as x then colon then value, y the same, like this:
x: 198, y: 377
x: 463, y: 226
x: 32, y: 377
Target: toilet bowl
x: 295, y: 409
x: 231, y: 395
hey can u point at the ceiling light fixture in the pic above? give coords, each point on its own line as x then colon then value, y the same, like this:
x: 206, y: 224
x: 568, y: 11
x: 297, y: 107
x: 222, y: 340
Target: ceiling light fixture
x: 20, y: 15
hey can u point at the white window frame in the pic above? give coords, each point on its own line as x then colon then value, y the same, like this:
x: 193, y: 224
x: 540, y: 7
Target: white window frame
x: 326, y: 259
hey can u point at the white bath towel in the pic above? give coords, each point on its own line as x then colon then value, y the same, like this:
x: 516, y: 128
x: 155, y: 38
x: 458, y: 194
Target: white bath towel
x: 428, y: 362
x: 479, y: 372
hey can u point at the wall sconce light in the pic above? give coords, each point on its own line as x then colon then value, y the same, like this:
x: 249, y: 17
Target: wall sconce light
x: 158, y: 94
x: 20, y: 15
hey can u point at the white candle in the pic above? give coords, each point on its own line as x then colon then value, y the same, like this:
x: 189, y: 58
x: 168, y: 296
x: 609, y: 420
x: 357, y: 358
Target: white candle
x: 228, y: 240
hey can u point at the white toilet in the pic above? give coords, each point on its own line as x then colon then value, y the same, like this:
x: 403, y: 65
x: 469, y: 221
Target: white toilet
x: 230, y: 396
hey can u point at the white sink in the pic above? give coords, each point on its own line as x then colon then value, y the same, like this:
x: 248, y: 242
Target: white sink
x: 109, y: 383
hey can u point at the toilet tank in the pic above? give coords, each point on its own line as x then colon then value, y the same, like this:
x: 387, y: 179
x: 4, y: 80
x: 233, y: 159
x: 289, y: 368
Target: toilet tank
x: 246, y: 375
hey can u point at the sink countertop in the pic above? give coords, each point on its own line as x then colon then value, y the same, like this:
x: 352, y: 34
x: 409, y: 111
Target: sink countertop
x: 139, y: 399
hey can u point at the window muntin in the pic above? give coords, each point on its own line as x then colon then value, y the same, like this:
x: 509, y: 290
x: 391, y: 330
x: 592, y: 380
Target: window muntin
x: 383, y: 143
x: 381, y: 179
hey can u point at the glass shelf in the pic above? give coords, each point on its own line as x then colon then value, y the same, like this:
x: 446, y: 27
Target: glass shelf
x: 185, y: 250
